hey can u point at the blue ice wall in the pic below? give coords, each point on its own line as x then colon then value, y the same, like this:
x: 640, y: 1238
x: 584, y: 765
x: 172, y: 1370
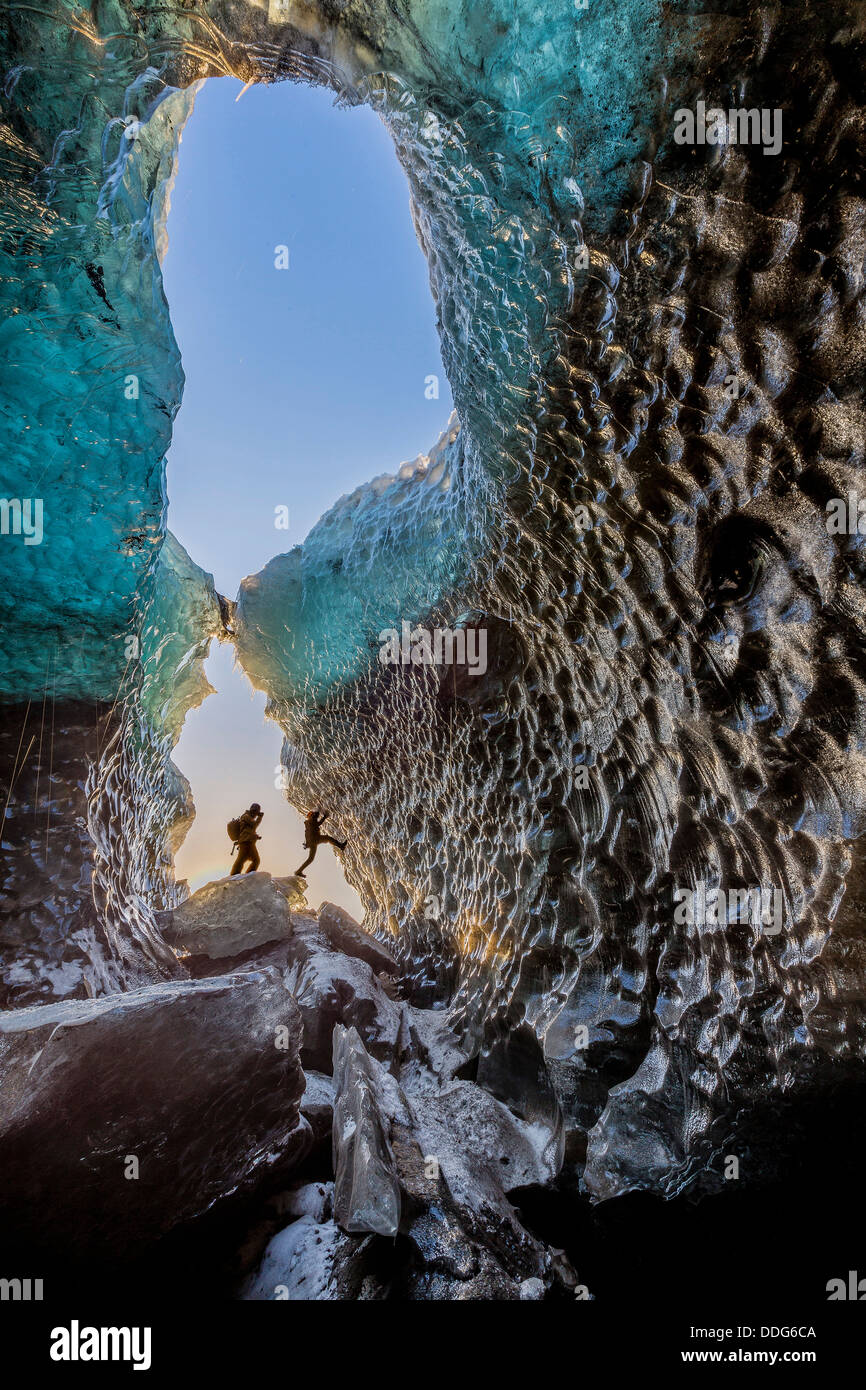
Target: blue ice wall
x: 525, y: 114
x: 92, y: 375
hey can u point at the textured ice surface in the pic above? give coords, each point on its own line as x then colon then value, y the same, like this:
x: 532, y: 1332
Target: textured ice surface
x: 647, y: 721
x: 309, y: 621
x: 674, y: 693
x: 96, y: 809
x: 91, y: 371
x: 366, y: 1190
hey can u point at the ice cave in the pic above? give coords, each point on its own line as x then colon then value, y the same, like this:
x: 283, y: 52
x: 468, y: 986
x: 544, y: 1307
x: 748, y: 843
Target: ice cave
x: 656, y: 351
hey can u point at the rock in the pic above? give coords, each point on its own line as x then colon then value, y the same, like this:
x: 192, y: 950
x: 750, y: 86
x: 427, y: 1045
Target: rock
x: 293, y: 888
x: 514, y: 1070
x: 531, y: 1289
x: 333, y: 988
x: 431, y: 1045
x: 481, y: 1147
x: 126, y: 1115
x: 317, y: 1104
x: 458, y: 1151
x: 229, y: 917
x: 366, y: 1190
x: 246, y: 922
x: 455, y: 1262
x: 442, y: 1244
x: 632, y: 1142
x: 344, y: 934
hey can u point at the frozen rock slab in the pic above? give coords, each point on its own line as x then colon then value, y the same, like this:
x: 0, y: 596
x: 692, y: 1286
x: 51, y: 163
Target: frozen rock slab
x: 481, y: 1147
x: 344, y: 934
x: 366, y: 1189
x: 330, y: 988
x: 126, y: 1115
x: 456, y: 1161
x: 434, y: 1052
x: 514, y: 1070
x: 229, y: 917
x: 317, y: 1104
x: 293, y: 888
x: 633, y: 1145
x: 246, y: 922
x: 459, y: 1151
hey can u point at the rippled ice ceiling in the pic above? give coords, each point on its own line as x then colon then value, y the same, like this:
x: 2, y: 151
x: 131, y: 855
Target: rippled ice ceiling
x: 656, y: 355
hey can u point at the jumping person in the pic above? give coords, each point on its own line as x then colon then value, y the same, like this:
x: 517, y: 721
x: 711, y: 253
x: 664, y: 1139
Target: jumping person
x: 248, y: 824
x: 313, y: 837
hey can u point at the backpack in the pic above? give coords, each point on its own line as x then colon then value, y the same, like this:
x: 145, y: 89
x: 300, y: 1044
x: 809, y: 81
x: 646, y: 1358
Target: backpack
x: 234, y: 829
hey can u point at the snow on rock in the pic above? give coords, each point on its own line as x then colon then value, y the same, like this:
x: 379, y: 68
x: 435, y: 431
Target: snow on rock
x: 297, y: 1263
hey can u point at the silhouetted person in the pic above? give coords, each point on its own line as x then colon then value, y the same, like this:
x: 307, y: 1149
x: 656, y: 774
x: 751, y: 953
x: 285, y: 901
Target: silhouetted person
x: 313, y: 837
x: 247, y: 852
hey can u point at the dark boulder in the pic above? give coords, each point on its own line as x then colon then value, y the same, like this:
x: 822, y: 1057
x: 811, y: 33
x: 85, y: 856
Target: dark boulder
x: 345, y: 935
x: 123, y: 1116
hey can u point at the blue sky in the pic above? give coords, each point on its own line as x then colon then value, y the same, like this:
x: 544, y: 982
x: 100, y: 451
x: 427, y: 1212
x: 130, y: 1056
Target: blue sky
x: 300, y: 384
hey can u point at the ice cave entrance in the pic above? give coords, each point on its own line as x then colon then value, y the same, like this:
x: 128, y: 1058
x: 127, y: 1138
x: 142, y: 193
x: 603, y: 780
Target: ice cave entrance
x: 301, y: 304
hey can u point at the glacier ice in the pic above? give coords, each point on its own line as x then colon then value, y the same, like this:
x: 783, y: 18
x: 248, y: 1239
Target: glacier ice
x: 655, y: 355
x: 92, y: 821
x: 366, y: 1190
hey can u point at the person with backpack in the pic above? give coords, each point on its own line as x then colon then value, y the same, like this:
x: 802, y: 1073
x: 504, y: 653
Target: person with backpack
x: 313, y: 837
x: 243, y: 835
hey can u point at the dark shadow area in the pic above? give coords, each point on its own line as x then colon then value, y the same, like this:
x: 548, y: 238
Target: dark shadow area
x: 780, y: 1238
x: 762, y: 1246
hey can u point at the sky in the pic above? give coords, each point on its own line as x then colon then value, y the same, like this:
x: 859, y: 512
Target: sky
x: 301, y: 383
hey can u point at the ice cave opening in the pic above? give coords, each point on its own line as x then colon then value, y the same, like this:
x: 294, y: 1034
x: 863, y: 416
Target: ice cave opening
x: 655, y: 352
x: 301, y: 305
